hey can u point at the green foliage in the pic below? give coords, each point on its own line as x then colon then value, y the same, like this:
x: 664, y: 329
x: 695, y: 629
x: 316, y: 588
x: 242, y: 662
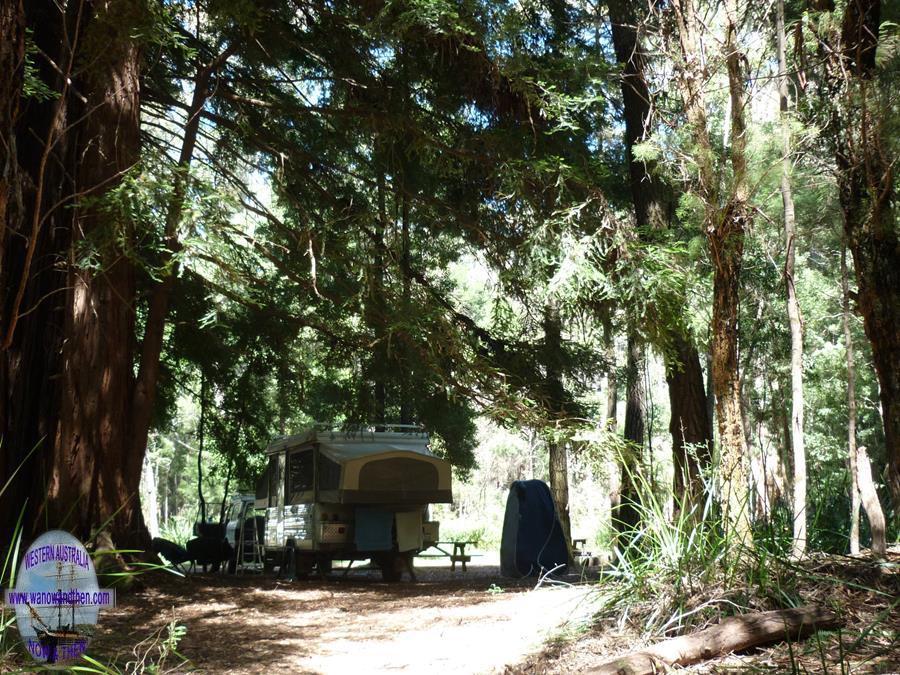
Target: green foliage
x: 33, y: 86
x: 388, y: 202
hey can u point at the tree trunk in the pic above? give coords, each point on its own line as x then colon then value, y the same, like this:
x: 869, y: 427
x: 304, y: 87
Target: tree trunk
x: 734, y: 634
x: 851, y: 407
x: 376, y: 311
x: 406, y: 404
x: 94, y: 465
x: 555, y: 405
x: 559, y: 484
x: 798, y: 443
x: 725, y: 227
x: 870, y: 501
x: 35, y: 154
x: 866, y: 187
x: 612, y: 389
x: 106, y: 410
x: 710, y: 398
x: 635, y: 405
x: 150, y: 497
x: 726, y: 380
x: 12, y: 55
x: 652, y: 204
x: 689, y: 423
x: 627, y: 515
x: 201, y: 437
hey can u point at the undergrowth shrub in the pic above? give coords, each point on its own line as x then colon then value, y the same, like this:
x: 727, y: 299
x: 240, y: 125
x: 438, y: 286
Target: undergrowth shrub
x: 677, y: 568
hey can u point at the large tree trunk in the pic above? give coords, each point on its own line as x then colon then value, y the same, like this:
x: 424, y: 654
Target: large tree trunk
x: 725, y: 227
x: 106, y: 409
x: 652, y: 205
x: 793, y: 307
x: 876, y: 260
x: 866, y: 186
x: 94, y: 465
x: 35, y: 236
x: 12, y: 55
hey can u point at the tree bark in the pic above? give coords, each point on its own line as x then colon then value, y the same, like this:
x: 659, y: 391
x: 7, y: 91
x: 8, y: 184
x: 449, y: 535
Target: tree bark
x: 150, y: 497
x: 106, y: 409
x: 93, y: 465
x: 36, y: 176
x: 612, y: 389
x: 559, y: 485
x: 870, y: 501
x: 851, y: 407
x: 555, y: 405
x: 866, y: 189
x: 725, y: 227
x: 12, y: 57
x: 406, y: 404
x: 376, y: 311
x: 798, y: 548
x: 635, y: 404
x: 689, y: 423
x: 626, y: 515
x: 734, y: 634
x: 652, y: 208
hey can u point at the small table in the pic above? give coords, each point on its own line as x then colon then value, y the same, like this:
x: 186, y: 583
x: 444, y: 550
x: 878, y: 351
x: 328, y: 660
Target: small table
x: 459, y: 554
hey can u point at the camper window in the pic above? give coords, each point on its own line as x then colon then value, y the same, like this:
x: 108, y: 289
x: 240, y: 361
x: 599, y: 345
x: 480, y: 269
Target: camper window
x: 300, y: 474
x: 329, y: 473
x: 262, y: 485
x: 276, y: 480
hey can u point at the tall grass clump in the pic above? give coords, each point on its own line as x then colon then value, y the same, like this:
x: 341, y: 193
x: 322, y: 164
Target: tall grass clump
x: 676, y: 567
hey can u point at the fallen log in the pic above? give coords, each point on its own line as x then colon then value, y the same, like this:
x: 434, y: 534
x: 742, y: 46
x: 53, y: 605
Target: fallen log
x: 734, y: 634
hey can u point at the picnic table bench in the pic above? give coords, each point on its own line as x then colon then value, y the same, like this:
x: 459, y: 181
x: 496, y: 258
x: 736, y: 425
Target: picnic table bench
x: 458, y: 555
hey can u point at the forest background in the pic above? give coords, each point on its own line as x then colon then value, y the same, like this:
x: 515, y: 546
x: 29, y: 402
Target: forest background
x: 636, y: 250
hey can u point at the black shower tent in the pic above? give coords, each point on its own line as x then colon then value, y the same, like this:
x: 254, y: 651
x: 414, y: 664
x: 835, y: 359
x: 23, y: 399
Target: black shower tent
x: 532, y: 536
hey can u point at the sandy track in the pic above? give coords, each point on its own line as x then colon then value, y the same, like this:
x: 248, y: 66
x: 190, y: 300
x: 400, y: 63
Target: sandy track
x: 444, y: 623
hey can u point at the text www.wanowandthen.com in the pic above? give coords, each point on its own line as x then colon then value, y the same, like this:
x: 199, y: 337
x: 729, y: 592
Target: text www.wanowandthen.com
x: 74, y: 596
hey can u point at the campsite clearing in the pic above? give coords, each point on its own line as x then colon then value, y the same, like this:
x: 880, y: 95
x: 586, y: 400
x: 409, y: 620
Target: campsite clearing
x: 473, y: 622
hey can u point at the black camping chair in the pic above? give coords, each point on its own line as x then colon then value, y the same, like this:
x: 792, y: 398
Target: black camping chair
x: 175, y: 554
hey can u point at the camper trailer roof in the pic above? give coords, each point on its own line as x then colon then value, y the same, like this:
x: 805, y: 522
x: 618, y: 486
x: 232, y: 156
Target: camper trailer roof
x: 344, y: 446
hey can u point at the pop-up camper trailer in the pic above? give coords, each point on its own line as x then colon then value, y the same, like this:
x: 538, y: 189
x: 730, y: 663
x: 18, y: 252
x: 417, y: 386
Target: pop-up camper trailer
x: 334, y: 495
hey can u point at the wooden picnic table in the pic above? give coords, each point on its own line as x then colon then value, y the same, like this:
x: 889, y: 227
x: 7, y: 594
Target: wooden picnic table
x: 458, y: 555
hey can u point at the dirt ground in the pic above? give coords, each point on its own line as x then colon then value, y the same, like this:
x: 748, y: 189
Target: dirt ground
x: 473, y: 622
x: 445, y: 622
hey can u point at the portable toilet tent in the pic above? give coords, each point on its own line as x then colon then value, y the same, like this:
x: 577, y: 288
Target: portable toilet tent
x: 532, y: 535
